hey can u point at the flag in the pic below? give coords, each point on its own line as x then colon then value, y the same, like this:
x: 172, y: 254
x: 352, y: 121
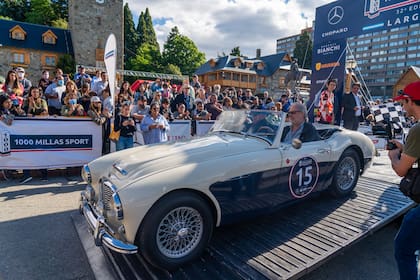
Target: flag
x: 110, y: 59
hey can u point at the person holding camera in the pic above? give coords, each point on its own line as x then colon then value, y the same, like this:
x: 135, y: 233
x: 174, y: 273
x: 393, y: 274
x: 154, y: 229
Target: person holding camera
x: 125, y: 124
x: 154, y: 126
x: 402, y: 157
x: 71, y: 108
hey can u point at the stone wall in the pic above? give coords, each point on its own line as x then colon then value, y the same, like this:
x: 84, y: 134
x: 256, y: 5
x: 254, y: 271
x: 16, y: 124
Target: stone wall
x: 90, y: 23
x: 33, y: 70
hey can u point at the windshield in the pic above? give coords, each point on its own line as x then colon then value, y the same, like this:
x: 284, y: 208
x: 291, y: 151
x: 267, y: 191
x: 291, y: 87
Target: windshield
x: 262, y: 124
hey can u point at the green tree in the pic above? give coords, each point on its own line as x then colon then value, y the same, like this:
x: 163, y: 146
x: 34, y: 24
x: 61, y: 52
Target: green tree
x: 145, y: 30
x: 61, y: 8
x: 130, y: 36
x: 303, y: 51
x: 66, y: 63
x: 172, y: 69
x: 181, y: 51
x: 147, y: 59
x: 236, y: 51
x: 14, y: 9
x: 41, y: 12
x: 60, y: 23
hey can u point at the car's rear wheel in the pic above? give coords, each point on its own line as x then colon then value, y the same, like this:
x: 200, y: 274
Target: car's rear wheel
x: 346, y: 174
x: 176, y: 230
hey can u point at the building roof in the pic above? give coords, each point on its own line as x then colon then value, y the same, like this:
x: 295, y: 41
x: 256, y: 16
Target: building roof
x: 250, y: 65
x: 416, y: 70
x: 33, y: 37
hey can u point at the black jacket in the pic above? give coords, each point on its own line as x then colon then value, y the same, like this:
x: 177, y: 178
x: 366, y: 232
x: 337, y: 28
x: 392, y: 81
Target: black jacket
x: 308, y: 134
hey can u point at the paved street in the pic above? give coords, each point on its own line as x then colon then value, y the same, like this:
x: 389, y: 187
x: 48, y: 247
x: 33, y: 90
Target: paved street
x: 38, y: 239
x: 37, y: 236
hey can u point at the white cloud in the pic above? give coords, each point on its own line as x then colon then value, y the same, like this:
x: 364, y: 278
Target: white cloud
x: 220, y: 25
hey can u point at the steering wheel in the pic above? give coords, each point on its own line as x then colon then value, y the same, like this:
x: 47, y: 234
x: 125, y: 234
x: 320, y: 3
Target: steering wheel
x: 265, y: 129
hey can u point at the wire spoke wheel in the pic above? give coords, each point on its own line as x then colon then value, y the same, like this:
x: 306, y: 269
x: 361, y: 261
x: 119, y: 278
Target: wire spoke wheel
x: 179, y: 232
x: 346, y: 173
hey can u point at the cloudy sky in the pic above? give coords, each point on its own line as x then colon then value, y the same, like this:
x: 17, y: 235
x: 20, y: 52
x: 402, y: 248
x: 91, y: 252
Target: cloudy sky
x: 218, y: 26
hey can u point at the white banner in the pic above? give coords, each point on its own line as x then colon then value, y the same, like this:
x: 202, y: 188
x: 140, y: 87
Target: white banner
x: 180, y: 130
x: 34, y: 143
x: 110, y: 59
x: 203, y: 127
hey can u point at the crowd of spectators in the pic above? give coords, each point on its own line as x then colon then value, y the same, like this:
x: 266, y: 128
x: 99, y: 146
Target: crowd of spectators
x: 89, y: 96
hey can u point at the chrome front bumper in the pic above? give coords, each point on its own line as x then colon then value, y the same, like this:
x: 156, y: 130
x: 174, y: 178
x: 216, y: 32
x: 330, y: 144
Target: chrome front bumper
x: 98, y: 228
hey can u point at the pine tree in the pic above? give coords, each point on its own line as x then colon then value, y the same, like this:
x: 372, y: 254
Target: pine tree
x: 181, y: 51
x: 303, y: 51
x: 130, y: 36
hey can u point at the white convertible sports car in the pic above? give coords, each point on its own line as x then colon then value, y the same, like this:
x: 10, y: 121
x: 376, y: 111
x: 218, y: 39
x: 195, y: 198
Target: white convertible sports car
x: 163, y: 201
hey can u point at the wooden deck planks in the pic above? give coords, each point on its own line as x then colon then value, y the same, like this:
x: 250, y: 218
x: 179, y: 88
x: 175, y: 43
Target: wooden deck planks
x: 288, y: 244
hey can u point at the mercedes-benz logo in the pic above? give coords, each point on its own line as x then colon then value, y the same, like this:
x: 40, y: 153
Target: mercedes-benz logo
x: 335, y: 15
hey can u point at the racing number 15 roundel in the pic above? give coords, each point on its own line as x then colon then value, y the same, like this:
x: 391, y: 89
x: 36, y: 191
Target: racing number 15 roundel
x: 303, y: 177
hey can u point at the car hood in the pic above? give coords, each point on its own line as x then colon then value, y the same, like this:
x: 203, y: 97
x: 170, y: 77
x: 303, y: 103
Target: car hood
x: 147, y: 160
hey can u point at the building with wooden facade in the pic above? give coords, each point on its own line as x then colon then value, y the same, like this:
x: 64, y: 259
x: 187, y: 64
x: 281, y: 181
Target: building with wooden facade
x: 32, y: 47
x: 263, y: 73
x: 412, y: 74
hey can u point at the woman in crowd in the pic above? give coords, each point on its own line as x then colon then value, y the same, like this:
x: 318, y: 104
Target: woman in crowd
x: 36, y: 105
x: 12, y: 87
x: 124, y: 123
x: 95, y: 111
x: 71, y: 87
x: 126, y: 92
x: 201, y: 96
x: 142, y: 91
x: 154, y: 126
x: 5, y: 105
x: 71, y: 107
x: 227, y: 104
x: 326, y: 104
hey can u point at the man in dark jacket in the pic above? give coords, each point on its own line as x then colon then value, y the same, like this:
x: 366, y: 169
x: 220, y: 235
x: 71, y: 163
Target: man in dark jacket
x: 352, y: 108
x: 299, y: 128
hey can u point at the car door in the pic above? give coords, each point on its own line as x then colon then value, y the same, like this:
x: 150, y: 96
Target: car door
x: 305, y: 170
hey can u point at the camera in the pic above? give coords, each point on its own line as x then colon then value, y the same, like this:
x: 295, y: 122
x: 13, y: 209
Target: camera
x: 390, y: 135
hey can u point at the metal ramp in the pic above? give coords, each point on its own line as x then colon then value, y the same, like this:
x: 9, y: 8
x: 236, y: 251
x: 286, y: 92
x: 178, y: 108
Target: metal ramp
x: 287, y: 244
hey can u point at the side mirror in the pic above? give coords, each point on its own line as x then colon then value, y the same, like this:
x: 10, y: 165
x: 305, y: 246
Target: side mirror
x: 296, y: 143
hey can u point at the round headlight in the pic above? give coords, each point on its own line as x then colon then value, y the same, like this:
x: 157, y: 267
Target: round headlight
x: 86, y: 174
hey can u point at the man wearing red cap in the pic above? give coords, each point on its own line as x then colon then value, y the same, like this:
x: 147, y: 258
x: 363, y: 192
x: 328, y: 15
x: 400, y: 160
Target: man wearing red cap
x: 407, y: 241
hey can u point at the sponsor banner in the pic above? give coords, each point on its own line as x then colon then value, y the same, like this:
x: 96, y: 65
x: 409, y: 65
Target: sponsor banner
x: 343, y: 19
x: 110, y: 59
x: 49, y: 143
x: 203, y: 127
x: 328, y: 62
x: 180, y: 130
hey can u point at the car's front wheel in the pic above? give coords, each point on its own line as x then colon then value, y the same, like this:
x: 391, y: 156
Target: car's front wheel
x: 176, y: 230
x: 346, y: 174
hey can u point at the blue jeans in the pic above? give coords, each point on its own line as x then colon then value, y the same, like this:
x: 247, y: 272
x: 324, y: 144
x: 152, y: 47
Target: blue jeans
x: 407, y: 242
x: 124, y: 143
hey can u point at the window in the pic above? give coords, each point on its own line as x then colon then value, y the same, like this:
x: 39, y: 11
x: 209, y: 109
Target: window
x: 50, y: 60
x: 49, y: 37
x: 17, y: 33
x: 18, y: 58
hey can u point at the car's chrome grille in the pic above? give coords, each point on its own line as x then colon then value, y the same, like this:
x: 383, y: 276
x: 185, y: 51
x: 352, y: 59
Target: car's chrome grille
x: 106, y: 193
